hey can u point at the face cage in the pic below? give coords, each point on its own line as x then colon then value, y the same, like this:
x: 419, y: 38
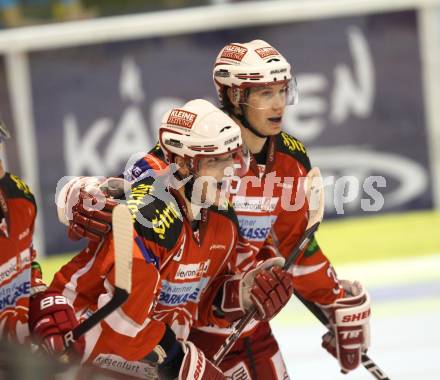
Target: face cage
x: 241, y: 158
x: 242, y: 94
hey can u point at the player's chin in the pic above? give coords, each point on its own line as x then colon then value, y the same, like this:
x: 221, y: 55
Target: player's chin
x: 211, y: 194
x: 220, y: 198
x: 273, y: 128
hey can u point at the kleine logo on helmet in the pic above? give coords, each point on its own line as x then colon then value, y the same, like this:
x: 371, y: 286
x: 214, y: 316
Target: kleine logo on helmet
x: 266, y: 52
x: 181, y: 118
x: 234, y: 52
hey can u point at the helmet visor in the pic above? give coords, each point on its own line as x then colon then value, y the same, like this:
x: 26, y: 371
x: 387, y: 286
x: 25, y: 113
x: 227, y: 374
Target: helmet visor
x: 233, y: 163
x: 269, y: 95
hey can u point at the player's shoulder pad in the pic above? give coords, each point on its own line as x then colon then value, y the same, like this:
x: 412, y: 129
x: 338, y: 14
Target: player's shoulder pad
x: 227, y: 211
x: 157, y: 151
x: 156, y: 212
x: 152, y: 164
x: 17, y: 188
x: 157, y: 154
x: 291, y: 146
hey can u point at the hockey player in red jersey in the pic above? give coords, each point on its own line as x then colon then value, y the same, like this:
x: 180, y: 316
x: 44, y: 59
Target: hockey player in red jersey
x: 185, y: 250
x: 25, y: 300
x: 255, y: 84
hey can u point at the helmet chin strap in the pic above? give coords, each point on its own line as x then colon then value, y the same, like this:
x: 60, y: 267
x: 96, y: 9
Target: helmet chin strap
x: 246, y: 123
x: 195, y: 208
x: 188, y: 185
x: 188, y: 188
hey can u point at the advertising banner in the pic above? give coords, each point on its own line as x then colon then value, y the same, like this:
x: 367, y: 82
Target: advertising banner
x: 360, y: 112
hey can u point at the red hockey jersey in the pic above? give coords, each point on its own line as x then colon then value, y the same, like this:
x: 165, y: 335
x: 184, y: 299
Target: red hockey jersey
x: 276, y: 203
x: 20, y: 275
x: 173, y: 269
x: 266, y: 200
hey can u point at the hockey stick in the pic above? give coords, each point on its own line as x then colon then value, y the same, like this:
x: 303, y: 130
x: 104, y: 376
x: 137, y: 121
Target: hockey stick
x: 122, y: 225
x: 315, y: 197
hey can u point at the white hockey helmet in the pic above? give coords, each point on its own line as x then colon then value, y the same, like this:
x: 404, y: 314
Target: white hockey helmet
x: 253, y: 64
x: 199, y: 129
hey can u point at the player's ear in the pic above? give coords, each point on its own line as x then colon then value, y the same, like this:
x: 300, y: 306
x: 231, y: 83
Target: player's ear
x: 183, y: 166
x: 234, y: 96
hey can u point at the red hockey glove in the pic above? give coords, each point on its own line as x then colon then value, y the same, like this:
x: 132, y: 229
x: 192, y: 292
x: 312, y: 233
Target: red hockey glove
x: 267, y: 287
x: 50, y: 317
x: 90, y: 223
x: 85, y: 205
x: 195, y: 366
x: 349, y: 317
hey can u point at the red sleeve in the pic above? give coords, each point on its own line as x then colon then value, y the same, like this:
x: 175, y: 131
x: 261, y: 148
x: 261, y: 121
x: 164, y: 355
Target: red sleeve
x: 206, y: 309
x: 88, y: 282
x: 246, y: 255
x: 207, y: 305
x: 268, y: 250
x: 313, y: 275
x: 130, y: 330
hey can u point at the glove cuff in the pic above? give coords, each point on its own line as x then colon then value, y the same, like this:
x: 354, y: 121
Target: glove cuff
x: 232, y: 300
x: 349, y: 317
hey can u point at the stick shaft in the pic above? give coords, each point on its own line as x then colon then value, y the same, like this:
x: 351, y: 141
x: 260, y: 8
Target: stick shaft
x: 305, y: 239
x: 240, y: 326
x: 233, y: 337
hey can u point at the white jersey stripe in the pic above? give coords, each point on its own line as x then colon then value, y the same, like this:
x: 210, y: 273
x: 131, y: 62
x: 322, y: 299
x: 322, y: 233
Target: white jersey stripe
x: 302, y: 270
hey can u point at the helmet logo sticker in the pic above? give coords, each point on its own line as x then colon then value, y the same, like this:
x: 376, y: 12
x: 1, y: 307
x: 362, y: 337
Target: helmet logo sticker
x: 234, y: 52
x: 222, y: 73
x: 278, y: 71
x: 231, y: 140
x: 181, y: 118
x: 266, y: 52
